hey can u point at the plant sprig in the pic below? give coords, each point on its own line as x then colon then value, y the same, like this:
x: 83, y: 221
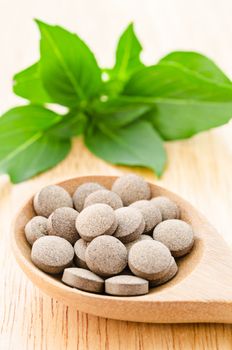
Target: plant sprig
x: 124, y: 113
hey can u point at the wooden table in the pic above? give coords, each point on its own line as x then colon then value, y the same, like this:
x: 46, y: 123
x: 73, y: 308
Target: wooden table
x: 199, y: 169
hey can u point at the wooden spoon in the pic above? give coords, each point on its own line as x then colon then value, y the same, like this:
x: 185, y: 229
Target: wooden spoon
x: 200, y: 292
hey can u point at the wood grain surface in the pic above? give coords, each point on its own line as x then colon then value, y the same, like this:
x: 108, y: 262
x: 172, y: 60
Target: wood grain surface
x: 199, y: 169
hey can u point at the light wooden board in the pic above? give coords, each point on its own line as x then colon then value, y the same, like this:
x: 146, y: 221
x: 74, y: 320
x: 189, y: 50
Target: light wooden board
x: 199, y: 169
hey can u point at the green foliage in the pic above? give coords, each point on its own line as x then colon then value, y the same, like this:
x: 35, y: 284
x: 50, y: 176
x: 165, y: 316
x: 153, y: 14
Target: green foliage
x: 28, y: 84
x: 123, y: 117
x: 127, y: 55
x: 136, y: 144
x: 69, y: 70
x: 26, y: 148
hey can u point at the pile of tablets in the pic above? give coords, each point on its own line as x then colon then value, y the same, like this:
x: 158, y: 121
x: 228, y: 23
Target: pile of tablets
x: 119, y: 241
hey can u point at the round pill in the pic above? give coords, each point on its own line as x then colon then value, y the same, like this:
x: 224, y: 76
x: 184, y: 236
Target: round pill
x: 36, y: 228
x: 177, y: 235
x: 51, y: 198
x: 141, y: 238
x: 151, y: 214
x: 82, y: 193
x: 149, y: 259
x: 131, y: 188
x: 168, y: 208
x: 130, y: 224
x: 79, y: 251
x: 172, y: 271
x: 62, y: 223
x: 104, y: 196
x: 126, y: 285
x: 106, y: 256
x: 83, y: 280
x: 95, y: 220
x: 52, y: 254
x: 112, y: 229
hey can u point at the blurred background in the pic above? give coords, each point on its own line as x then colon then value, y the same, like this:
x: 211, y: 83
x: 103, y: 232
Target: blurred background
x: 199, y: 169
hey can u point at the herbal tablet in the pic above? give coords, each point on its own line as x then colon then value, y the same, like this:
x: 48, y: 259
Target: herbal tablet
x: 62, y: 223
x: 151, y: 213
x: 52, y: 254
x: 106, y: 256
x: 82, y: 193
x: 96, y: 220
x: 106, y: 237
x: 177, y: 235
x: 130, y: 224
x: 51, y: 198
x: 79, y: 251
x: 104, y: 196
x: 168, y: 208
x: 126, y: 285
x: 141, y: 238
x: 131, y: 188
x: 36, y: 228
x: 172, y: 271
x: 149, y: 259
x: 83, y: 280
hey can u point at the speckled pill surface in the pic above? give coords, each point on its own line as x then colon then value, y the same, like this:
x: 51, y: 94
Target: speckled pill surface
x: 120, y: 241
x: 36, y: 228
x: 112, y: 229
x: 151, y: 213
x: 83, y: 280
x: 79, y: 253
x: 52, y: 254
x: 141, y: 238
x: 149, y: 259
x: 106, y: 256
x: 95, y: 220
x: 51, y: 198
x: 126, y: 285
x: 130, y: 224
x: 62, y: 223
x: 82, y: 193
x: 131, y: 188
x: 168, y: 208
x: 177, y: 235
x: 172, y: 271
x: 104, y: 196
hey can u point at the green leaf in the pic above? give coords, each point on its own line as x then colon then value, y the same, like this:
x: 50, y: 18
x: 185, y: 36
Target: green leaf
x: 69, y: 70
x: 127, y: 55
x: 137, y: 144
x: 28, y: 84
x: 184, y: 103
x: 176, y: 120
x: 72, y: 124
x: 171, y: 80
x: 199, y: 64
x: 42, y: 154
x: 26, y: 149
x: 119, y: 111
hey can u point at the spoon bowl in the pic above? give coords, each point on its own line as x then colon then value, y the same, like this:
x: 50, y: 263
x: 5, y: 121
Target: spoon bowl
x: 200, y: 292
